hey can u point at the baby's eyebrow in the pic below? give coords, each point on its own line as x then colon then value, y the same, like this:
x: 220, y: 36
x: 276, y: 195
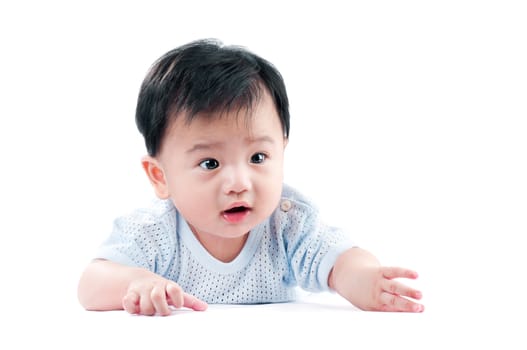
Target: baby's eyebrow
x: 260, y: 139
x: 203, y: 146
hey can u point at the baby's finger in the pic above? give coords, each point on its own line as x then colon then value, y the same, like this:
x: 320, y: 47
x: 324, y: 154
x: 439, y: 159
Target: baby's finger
x: 175, y: 294
x: 159, y: 300
x: 180, y: 299
x: 398, y: 272
x: 194, y: 303
x: 145, y: 305
x: 131, y: 302
x: 397, y: 288
x: 392, y: 302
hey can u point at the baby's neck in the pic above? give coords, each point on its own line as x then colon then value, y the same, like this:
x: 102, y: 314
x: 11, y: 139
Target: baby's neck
x: 223, y: 249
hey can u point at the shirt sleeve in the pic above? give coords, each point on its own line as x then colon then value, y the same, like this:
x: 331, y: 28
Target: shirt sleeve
x: 139, y: 240
x: 312, y: 247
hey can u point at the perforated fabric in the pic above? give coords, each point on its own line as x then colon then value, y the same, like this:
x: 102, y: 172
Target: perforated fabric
x: 292, y: 248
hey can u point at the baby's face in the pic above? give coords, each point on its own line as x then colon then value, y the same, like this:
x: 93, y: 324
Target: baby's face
x: 224, y: 174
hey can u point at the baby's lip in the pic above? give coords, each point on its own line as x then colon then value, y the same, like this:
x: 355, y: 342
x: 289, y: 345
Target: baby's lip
x: 237, y: 206
x: 236, y: 213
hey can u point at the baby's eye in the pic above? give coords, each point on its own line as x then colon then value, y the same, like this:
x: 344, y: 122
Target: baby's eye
x: 258, y: 158
x: 209, y: 164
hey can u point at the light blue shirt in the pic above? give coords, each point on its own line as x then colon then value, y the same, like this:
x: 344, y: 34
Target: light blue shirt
x: 291, y: 248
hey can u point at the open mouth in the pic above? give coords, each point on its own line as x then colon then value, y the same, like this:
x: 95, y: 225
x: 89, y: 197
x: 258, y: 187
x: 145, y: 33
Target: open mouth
x: 236, y: 214
x: 236, y: 210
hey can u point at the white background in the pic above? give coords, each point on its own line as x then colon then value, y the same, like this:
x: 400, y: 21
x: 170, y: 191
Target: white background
x: 408, y: 128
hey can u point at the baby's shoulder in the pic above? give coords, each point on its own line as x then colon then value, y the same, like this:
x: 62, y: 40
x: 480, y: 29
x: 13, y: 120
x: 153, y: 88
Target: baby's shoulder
x: 295, y: 215
x: 156, y: 213
x: 292, y: 198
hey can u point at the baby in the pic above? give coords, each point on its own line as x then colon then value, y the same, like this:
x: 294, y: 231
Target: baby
x: 225, y: 229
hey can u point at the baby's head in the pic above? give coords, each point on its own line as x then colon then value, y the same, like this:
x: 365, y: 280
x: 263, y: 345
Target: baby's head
x: 205, y: 77
x: 215, y: 121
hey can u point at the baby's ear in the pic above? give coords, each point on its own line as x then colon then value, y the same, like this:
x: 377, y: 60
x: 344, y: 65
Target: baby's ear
x: 156, y: 175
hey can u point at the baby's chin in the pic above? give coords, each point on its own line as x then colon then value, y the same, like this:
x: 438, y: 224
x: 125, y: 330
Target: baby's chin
x: 226, y: 231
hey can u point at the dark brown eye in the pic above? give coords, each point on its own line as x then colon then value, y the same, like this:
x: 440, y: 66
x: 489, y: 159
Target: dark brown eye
x: 258, y: 158
x: 209, y: 164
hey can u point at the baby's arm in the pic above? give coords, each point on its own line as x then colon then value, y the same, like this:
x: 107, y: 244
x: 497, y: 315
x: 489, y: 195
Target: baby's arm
x: 358, y: 276
x: 106, y: 285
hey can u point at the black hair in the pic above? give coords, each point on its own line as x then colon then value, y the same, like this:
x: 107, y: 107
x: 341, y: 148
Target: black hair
x: 205, y: 76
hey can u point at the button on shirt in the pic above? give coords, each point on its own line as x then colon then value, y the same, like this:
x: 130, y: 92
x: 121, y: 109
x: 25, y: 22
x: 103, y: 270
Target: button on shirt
x: 285, y: 205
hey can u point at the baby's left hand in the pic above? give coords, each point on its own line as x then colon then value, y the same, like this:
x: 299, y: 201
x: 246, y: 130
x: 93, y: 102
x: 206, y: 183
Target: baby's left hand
x: 391, y: 295
x: 358, y: 277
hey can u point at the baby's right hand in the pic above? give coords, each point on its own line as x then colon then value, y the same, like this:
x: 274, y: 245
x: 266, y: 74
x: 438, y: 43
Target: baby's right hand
x: 154, y: 294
